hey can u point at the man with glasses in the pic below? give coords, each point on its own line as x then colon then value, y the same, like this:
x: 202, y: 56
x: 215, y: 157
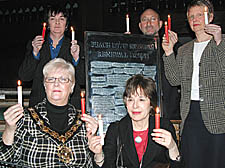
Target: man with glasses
x: 150, y: 24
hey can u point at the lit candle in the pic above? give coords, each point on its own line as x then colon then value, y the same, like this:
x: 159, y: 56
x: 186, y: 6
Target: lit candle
x: 166, y: 31
x: 100, y: 125
x: 169, y: 22
x: 206, y: 16
x: 128, y: 23
x: 157, y: 118
x: 43, y: 31
x: 82, y: 94
x: 73, y: 33
x: 20, y: 92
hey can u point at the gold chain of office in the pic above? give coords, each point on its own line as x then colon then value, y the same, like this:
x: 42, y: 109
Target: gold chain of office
x: 64, y: 152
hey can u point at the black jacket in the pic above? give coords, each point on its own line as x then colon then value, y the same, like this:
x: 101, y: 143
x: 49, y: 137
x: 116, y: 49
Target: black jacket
x: 31, y: 70
x: 170, y: 94
x: 154, y: 155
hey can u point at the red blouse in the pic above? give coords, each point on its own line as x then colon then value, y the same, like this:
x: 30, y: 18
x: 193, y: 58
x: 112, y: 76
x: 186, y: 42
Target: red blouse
x: 141, y: 141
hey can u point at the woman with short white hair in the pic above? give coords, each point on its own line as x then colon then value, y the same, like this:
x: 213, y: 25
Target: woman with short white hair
x: 52, y: 133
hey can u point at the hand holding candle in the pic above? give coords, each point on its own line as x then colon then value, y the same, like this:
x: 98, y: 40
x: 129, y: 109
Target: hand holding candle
x: 43, y: 31
x: 100, y: 128
x: 73, y: 33
x: 157, y: 118
x: 166, y: 31
x: 82, y: 94
x: 206, y: 16
x: 127, y: 23
x: 20, y: 92
x: 169, y: 22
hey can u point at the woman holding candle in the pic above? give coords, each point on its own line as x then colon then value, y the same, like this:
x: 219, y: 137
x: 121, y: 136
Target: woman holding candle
x: 52, y: 133
x: 199, y: 69
x: 141, y: 145
x: 54, y: 45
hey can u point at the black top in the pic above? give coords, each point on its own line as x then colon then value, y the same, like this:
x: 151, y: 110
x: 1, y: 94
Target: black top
x: 58, y: 116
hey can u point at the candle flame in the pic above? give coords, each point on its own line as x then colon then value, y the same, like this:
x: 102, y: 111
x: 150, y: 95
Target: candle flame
x: 165, y: 23
x: 168, y: 16
x: 19, y: 82
x: 205, y: 9
x: 127, y: 15
x: 157, y: 110
x: 71, y: 28
x: 99, y: 117
x: 44, y: 24
x: 82, y: 93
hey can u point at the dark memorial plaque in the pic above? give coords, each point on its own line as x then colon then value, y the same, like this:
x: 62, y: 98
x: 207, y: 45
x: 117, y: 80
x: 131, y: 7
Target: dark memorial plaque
x: 111, y: 59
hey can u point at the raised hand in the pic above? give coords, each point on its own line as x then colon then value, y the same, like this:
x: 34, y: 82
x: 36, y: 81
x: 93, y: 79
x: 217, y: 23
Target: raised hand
x: 94, y: 143
x: 91, y: 123
x: 214, y: 30
x: 168, y: 46
x: 164, y: 137
x: 75, y: 50
x: 37, y: 44
x: 11, y: 116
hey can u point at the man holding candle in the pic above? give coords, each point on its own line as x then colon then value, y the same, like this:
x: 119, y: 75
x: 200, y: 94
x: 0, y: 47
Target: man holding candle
x: 150, y: 24
x: 55, y: 45
x: 199, y: 69
x: 134, y: 138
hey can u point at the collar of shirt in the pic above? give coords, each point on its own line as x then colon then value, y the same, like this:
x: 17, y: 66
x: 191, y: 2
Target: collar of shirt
x: 55, y: 51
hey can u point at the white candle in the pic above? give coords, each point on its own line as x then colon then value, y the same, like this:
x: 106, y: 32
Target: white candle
x: 128, y: 23
x: 20, y: 92
x: 73, y: 33
x: 206, y: 16
x: 100, y: 124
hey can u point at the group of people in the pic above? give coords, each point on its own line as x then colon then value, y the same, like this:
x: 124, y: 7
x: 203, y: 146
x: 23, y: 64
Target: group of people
x: 53, y: 133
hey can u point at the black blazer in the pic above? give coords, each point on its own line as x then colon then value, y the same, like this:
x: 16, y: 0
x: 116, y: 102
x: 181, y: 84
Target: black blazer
x: 154, y: 154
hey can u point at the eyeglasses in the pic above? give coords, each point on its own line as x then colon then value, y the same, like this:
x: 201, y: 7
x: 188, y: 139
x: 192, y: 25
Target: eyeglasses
x: 60, y: 79
x: 151, y: 19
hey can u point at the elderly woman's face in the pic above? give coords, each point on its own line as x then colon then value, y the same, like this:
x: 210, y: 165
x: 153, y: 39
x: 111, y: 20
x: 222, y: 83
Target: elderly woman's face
x: 58, y: 87
x: 138, y: 106
x: 196, y: 18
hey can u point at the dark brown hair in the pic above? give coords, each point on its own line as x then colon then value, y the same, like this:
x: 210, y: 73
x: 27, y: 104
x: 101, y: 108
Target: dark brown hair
x: 146, y: 84
x: 54, y: 10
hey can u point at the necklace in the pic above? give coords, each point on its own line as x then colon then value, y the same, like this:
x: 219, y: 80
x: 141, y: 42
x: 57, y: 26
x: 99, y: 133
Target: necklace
x: 64, y: 153
x: 138, y: 139
x: 139, y: 135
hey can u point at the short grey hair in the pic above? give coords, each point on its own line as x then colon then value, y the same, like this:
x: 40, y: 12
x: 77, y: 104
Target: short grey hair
x: 59, y: 63
x: 206, y: 3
